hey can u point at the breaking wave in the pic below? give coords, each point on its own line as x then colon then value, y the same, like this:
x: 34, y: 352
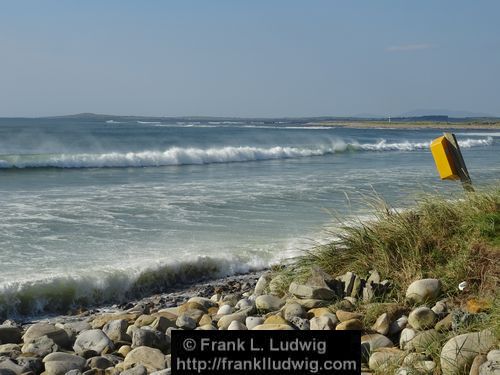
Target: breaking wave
x: 58, y: 294
x: 196, y: 156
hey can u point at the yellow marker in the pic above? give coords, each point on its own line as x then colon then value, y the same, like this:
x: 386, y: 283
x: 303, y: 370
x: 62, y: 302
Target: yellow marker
x: 442, y: 151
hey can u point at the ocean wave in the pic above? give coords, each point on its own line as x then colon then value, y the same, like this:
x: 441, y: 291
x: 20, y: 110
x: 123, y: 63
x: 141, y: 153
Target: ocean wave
x: 198, y: 156
x: 113, y: 122
x: 58, y: 294
x: 149, y: 122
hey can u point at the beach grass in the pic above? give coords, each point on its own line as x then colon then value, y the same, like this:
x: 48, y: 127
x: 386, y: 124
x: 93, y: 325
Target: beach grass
x: 454, y: 240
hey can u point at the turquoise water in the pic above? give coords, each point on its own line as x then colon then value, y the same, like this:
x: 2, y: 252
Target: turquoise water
x: 96, y: 211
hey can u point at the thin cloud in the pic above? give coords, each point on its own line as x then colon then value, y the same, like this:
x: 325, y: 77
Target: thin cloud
x: 409, y: 47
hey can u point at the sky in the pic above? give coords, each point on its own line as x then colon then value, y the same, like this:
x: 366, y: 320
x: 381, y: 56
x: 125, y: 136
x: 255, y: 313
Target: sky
x: 259, y: 58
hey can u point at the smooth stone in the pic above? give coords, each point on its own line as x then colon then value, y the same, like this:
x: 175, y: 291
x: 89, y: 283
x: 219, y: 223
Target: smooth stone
x: 244, y: 304
x: 412, y: 358
x: 425, y: 341
x: 32, y: 364
x: 9, y: 348
x: 161, y: 324
x: 9, y: 364
x: 60, y: 363
x: 205, y: 319
x: 489, y: 368
x: 382, y: 324
x: 116, y: 330
x: 152, y: 359
x: 268, y: 302
x: 100, y: 320
x: 137, y: 370
x: 99, y: 363
x: 422, y: 318
x: 311, y: 292
x: 205, y: 302
x: 92, y: 341
x: 143, y: 320
x: 236, y: 326
x: 151, y: 338
x: 319, y: 311
x: 347, y: 315
x: 40, y: 347
x: 206, y: 327
x: 376, y: 341
x: 440, y: 308
x: 76, y: 327
x: 310, y: 303
x: 124, y: 350
x: 398, y: 325
x: 493, y: 355
x: 406, y: 336
x: 240, y: 316
x: 444, y: 324
x: 350, y: 325
x: 459, y: 352
x: 253, y: 321
x: 225, y: 310
x: 384, y: 359
x: 273, y: 327
x: 194, y: 314
x: 10, y: 334
x: 293, y: 310
x: 323, y: 323
x: 476, y: 364
x: 423, y: 290
x: 58, y: 335
x: 275, y: 319
x: 262, y: 284
x: 185, y: 322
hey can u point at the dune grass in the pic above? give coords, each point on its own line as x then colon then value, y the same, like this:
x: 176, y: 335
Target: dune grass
x: 453, y: 240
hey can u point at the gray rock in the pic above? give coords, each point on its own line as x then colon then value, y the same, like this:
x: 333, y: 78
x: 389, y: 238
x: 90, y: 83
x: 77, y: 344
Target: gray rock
x: 151, y: 338
x: 225, y: 310
x: 9, y: 364
x: 253, y: 321
x: 205, y: 302
x: 93, y: 341
x: 4, y: 371
x: 311, y: 292
x: 240, y: 316
x: 348, y: 280
x: 185, y: 322
x: 116, y: 330
x: 300, y: 323
x: 99, y: 363
x: 422, y: 318
x: 10, y: 334
x: 152, y: 359
x: 40, y: 347
x: 406, y: 336
x: 384, y: 360
x: 376, y: 341
x: 423, y: 290
x: 292, y: 310
x: 459, y: 352
x: 9, y: 350
x: 323, y: 323
x: 245, y: 303
x: 262, y: 284
x: 425, y: 341
x: 489, y: 368
x: 32, y: 364
x: 382, y: 324
x: 494, y: 356
x: 77, y: 326
x: 268, y: 302
x: 60, y: 363
x: 237, y: 326
x: 58, y: 335
x: 137, y: 370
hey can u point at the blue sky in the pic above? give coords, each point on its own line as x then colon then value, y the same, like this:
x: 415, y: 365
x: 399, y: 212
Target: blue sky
x: 248, y: 58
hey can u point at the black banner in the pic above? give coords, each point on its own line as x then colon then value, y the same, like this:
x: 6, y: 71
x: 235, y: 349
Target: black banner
x: 266, y: 352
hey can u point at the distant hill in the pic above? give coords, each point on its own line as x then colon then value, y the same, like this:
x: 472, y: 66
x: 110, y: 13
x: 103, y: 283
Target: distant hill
x: 443, y: 112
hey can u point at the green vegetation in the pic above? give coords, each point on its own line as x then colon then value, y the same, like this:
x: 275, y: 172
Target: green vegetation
x: 454, y: 241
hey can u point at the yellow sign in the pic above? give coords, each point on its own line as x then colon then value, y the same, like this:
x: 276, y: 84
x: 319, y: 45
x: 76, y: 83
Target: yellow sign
x: 442, y: 151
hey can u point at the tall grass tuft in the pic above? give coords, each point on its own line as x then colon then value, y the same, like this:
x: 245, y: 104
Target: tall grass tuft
x: 454, y: 241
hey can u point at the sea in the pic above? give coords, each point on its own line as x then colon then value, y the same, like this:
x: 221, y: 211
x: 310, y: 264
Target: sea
x: 94, y: 211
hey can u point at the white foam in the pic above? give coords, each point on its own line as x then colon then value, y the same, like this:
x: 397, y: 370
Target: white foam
x: 198, y: 156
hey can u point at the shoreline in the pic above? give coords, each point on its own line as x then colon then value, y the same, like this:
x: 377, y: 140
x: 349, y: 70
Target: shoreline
x: 405, y: 125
